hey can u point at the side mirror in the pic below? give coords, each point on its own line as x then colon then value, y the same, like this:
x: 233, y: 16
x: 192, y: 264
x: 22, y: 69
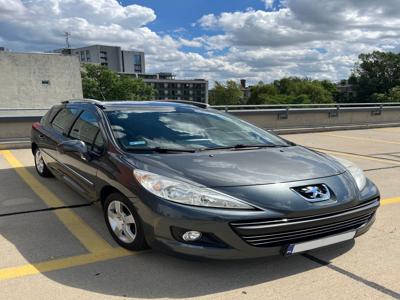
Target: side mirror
x: 74, y: 146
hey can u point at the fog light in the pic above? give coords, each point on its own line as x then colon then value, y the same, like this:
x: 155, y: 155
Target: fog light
x: 191, y: 236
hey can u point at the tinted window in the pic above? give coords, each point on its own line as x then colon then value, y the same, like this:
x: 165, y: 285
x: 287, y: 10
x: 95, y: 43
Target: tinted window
x: 184, y: 128
x: 64, y: 118
x: 87, y: 130
x: 44, y: 119
x: 98, y: 143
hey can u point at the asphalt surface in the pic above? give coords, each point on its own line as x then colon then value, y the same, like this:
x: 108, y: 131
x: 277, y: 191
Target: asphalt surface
x: 53, y: 245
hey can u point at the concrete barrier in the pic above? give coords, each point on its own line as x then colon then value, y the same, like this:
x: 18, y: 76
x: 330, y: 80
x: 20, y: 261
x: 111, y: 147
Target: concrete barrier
x: 15, y: 125
x: 309, y: 118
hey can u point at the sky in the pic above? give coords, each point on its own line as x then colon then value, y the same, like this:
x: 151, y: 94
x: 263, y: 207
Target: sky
x: 258, y: 40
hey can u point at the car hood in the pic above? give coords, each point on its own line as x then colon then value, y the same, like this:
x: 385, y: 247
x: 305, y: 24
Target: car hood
x: 227, y: 168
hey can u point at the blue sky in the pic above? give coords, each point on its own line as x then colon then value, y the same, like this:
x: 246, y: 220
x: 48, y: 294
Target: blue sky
x: 173, y: 15
x: 258, y: 40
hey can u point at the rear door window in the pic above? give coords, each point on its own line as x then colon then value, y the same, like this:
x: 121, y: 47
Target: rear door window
x: 64, y: 118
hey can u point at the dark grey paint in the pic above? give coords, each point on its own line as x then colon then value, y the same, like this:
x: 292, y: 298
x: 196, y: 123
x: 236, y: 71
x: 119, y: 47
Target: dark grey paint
x: 261, y: 177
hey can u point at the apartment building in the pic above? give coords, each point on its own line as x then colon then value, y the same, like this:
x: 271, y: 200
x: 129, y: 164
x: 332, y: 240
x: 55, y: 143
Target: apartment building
x: 112, y: 57
x: 168, y: 87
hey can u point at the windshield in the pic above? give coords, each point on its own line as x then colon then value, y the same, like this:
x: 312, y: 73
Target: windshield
x: 184, y: 128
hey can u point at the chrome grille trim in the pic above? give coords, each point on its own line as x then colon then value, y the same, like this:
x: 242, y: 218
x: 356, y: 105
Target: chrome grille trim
x: 288, y: 237
x: 283, y: 222
x: 267, y: 234
x: 362, y: 218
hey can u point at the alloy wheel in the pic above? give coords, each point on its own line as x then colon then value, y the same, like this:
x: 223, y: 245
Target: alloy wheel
x: 39, y: 161
x: 122, y: 221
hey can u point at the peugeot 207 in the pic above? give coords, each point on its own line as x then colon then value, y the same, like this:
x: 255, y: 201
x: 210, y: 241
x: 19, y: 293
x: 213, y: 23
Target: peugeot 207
x: 186, y: 178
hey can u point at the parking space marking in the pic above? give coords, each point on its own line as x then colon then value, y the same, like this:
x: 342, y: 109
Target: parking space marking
x: 90, y: 239
x: 100, y: 249
x: 64, y: 263
x: 360, y: 138
x: 353, y: 276
x: 382, y: 160
x: 390, y: 200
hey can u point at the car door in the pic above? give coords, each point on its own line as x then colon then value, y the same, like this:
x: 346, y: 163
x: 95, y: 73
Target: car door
x: 82, y: 170
x: 55, y: 129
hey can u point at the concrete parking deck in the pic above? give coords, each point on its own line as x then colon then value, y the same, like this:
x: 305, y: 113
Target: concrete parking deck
x: 54, y: 245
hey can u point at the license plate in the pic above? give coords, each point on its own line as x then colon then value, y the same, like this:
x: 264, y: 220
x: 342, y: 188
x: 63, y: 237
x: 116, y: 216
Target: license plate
x: 330, y: 240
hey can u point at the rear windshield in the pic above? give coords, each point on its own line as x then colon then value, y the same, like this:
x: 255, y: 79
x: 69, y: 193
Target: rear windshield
x: 184, y: 128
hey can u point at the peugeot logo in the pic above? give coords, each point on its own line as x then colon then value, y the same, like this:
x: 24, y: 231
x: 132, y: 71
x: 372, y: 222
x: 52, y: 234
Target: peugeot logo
x: 314, y: 193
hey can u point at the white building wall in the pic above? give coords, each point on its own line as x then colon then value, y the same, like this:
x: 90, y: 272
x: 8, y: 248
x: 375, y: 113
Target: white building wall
x: 38, y: 80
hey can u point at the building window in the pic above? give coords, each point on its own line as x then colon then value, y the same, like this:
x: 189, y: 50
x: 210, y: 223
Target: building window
x: 104, y: 64
x: 103, y: 56
x: 137, y: 62
x: 82, y: 55
x: 87, y: 55
x: 137, y: 59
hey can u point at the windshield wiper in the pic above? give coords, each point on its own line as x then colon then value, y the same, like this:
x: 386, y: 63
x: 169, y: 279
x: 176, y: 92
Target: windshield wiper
x: 244, y: 146
x: 160, y: 150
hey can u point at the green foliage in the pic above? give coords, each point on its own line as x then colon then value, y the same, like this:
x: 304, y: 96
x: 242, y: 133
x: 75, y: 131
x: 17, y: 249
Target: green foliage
x: 376, y: 74
x: 100, y: 83
x: 293, y: 90
x: 226, y: 94
x: 394, y: 94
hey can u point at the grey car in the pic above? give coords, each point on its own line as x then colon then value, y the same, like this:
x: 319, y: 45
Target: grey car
x: 188, y: 179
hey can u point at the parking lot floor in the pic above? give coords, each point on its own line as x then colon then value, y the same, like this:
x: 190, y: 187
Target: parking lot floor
x: 54, y: 245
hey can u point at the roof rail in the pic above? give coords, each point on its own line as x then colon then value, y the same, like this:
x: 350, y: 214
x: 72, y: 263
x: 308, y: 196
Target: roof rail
x: 93, y: 101
x: 198, y: 104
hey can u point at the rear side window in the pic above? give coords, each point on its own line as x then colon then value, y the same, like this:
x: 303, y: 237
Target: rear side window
x: 64, y: 118
x: 87, y: 130
x: 44, y: 119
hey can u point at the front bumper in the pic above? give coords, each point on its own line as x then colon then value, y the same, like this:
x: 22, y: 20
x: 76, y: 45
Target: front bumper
x: 230, y: 229
x: 237, y: 247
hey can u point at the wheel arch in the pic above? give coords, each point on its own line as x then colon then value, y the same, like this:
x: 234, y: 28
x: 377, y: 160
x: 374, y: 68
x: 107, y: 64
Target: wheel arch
x: 34, y: 146
x: 106, y: 191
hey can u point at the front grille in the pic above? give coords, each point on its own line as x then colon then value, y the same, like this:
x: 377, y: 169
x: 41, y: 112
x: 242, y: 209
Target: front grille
x: 270, y: 233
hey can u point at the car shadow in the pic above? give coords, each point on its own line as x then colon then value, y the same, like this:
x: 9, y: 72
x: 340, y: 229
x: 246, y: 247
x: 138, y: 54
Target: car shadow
x: 151, y: 274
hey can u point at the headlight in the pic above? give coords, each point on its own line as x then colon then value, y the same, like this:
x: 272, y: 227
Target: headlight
x: 184, y: 193
x: 355, y: 171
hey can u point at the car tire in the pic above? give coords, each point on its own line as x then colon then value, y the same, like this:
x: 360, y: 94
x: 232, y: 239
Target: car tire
x: 40, y: 165
x: 123, y: 222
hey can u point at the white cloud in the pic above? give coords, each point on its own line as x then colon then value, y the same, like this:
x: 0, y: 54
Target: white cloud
x: 286, y: 41
x: 269, y: 4
x: 319, y: 39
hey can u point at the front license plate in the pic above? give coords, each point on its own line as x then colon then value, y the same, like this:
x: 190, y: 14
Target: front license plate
x: 330, y: 240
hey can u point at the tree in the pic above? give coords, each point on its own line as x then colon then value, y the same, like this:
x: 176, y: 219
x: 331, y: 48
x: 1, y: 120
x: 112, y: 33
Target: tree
x: 100, y: 83
x: 293, y: 90
x: 261, y: 93
x: 376, y: 74
x: 225, y: 94
x: 394, y: 94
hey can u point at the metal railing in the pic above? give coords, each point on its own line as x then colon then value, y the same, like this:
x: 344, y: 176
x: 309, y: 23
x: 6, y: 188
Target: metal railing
x: 261, y: 107
x: 33, y: 111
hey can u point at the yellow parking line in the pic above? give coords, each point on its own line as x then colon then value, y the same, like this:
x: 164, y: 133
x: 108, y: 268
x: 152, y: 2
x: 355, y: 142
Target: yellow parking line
x: 386, y: 161
x: 360, y: 138
x: 63, y: 263
x: 388, y: 130
x: 390, y: 201
x: 83, y: 232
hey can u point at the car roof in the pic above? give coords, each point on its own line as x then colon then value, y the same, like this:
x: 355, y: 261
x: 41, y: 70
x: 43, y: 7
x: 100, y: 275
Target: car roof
x: 111, y: 105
